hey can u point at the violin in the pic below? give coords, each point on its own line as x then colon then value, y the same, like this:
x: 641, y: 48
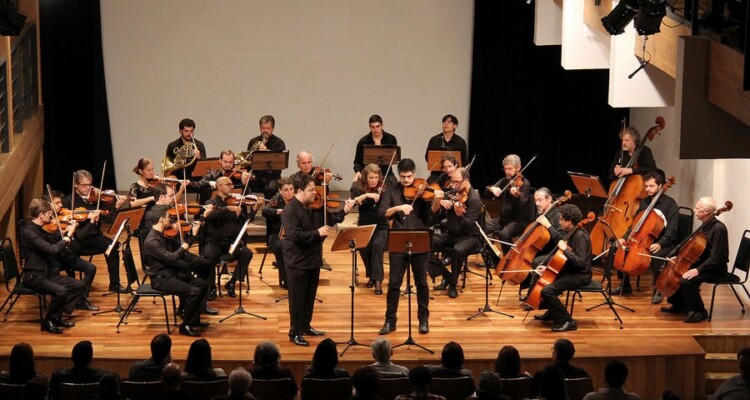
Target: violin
x: 107, y: 196
x: 688, y: 252
x: 192, y: 209
x: 234, y: 199
x: 172, y: 231
x: 333, y: 200
x: 157, y: 180
x: 420, y: 189
x: 79, y: 214
x: 56, y: 225
x: 320, y: 174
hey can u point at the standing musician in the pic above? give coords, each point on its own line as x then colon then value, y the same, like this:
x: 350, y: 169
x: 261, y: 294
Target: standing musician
x: 227, y: 160
x: 395, y: 207
x: 516, y: 207
x: 667, y: 209
x: 89, y: 236
x: 367, y: 195
x: 187, y: 148
x: 69, y: 262
x: 710, y: 266
x: 377, y: 137
x: 447, y: 140
x: 44, y: 278
x: 449, y: 164
x: 142, y: 191
x: 575, y: 273
x: 303, y: 258
x: 223, y: 224
x: 272, y: 213
x: 166, y: 276
x: 266, y: 141
x: 645, y: 163
x: 461, y: 234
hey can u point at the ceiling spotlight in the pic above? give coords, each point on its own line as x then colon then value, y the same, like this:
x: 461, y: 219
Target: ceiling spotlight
x: 616, y: 21
x: 648, y: 21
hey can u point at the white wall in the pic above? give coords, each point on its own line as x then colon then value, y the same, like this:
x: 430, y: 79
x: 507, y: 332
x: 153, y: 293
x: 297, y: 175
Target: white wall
x: 321, y: 68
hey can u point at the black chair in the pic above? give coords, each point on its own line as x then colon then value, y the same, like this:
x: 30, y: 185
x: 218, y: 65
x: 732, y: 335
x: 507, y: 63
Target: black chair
x: 222, y: 266
x: 741, y: 263
x: 77, y: 391
x: 137, y: 390
x: 577, y: 388
x: 391, y: 386
x: 330, y: 389
x: 200, y: 390
x: 458, y: 388
x: 271, y: 388
x: 517, y: 388
x: 143, y: 290
x: 10, y: 272
x: 465, y: 265
x: 12, y: 390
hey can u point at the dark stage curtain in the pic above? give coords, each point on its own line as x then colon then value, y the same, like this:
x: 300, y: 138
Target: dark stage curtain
x: 524, y: 102
x: 77, y: 134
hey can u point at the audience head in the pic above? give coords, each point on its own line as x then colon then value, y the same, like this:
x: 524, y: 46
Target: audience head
x: 266, y: 355
x: 381, y: 350
x: 365, y: 380
x: 615, y: 373
x: 508, y: 362
x: 83, y: 354
x: 171, y: 376
x: 239, y: 381
x: 420, y: 378
x: 326, y: 356
x: 489, y: 386
x: 452, y: 356
x: 553, y: 384
x: 108, y: 387
x: 743, y: 361
x: 670, y: 395
x: 161, y: 347
x: 563, y: 350
x: 199, y: 357
x: 21, y: 365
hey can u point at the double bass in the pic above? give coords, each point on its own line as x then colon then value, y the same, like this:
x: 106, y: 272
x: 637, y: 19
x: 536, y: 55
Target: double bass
x: 516, y: 263
x: 554, y: 265
x: 633, y: 257
x: 624, y: 196
x: 688, y: 253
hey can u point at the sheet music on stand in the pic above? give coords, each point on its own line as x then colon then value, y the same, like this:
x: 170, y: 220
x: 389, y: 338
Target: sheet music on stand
x: 203, y: 165
x: 434, y: 155
x: 588, y: 185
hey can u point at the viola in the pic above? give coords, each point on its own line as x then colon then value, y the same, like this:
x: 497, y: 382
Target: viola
x: 515, y: 264
x: 630, y: 258
x: 555, y: 263
x: 688, y: 253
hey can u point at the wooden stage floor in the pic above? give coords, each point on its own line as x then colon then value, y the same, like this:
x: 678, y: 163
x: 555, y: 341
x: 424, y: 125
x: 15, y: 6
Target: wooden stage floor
x: 660, y: 349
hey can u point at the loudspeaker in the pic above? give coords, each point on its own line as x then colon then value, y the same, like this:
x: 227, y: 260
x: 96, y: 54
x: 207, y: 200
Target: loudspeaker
x: 11, y: 21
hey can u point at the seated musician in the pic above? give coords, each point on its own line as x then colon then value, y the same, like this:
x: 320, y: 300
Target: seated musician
x: 516, y: 207
x: 187, y: 149
x: 141, y: 191
x: 630, y: 138
x: 239, y: 176
x: 710, y: 266
x: 41, y: 277
x: 461, y: 234
x: 67, y: 261
x: 447, y: 140
x: 166, y: 277
x: 272, y: 213
x: 223, y: 223
x: 575, y: 273
x: 266, y: 180
x: 89, y: 238
x: 667, y: 209
x: 448, y: 164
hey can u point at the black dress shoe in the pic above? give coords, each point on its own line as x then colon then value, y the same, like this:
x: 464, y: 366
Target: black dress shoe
x: 313, y: 332
x: 625, y: 290
x: 696, y: 316
x: 544, y: 317
x: 275, y: 264
x: 50, y: 327
x: 447, y: 261
x: 388, y: 327
x: 672, y: 310
x: 188, y: 331
x: 230, y: 290
x: 211, y: 295
x: 210, y: 311
x: 298, y: 340
x: 115, y: 288
x: 64, y: 324
x: 370, y: 283
x: 424, y: 327
x: 200, y: 325
x: 283, y: 285
x: 442, y: 286
x: 565, y: 326
x: 86, y: 306
x: 452, y: 292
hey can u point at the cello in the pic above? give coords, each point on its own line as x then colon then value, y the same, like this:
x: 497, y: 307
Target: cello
x: 554, y: 265
x: 688, y: 253
x: 633, y: 257
x: 624, y: 195
x: 523, y: 251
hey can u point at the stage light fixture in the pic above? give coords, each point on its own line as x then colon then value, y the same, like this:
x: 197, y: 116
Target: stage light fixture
x: 648, y: 20
x: 616, y: 21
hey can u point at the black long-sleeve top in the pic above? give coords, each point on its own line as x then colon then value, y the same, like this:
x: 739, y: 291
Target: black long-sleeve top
x: 172, y: 146
x: 716, y: 255
x: 85, y: 228
x: 514, y: 208
x: 555, y: 232
x: 273, y: 218
x: 668, y: 207
x: 456, y: 143
x: 464, y: 225
x: 368, y: 212
x: 387, y: 139
x: 274, y: 143
x: 301, y: 245
x: 159, y: 254
x: 40, y: 248
x: 578, y: 254
x: 643, y: 165
x: 221, y: 223
x: 394, y: 196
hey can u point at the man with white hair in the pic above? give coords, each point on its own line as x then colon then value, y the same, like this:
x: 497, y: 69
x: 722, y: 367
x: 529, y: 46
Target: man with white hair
x: 239, y: 386
x: 382, y: 352
x: 516, y: 203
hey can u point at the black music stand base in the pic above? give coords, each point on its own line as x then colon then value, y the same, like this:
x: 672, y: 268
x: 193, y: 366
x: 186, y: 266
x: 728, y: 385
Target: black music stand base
x: 240, y: 310
x: 352, y: 341
x: 487, y: 308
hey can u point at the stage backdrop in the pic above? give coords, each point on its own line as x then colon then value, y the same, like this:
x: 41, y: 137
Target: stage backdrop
x: 321, y: 68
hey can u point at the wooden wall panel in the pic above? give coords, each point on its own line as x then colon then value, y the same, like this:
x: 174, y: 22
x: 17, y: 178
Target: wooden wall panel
x: 725, y: 76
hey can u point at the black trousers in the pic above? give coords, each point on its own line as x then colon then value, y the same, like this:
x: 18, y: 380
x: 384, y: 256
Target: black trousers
x: 458, y: 247
x: 213, y: 249
x: 98, y: 244
x: 74, y: 263
x: 688, y: 295
x: 265, y: 183
x: 372, y: 255
x: 550, y: 293
x: 65, y: 292
x: 505, y: 231
x: 189, y: 289
x: 303, y: 286
x: 399, y: 263
x: 274, y: 243
x: 202, y: 268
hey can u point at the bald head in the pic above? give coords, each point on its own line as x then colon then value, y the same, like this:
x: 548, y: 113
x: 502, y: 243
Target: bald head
x: 170, y: 375
x: 239, y: 381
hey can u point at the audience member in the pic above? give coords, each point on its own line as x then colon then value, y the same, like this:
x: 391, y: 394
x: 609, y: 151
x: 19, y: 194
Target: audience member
x: 239, y: 386
x: 508, y: 364
x: 562, y: 352
x: 670, y: 395
x: 615, y: 374
x: 82, y: 356
x: 22, y: 367
x: 490, y: 387
x: 171, y: 376
x: 552, y: 384
x: 382, y: 352
x: 737, y: 387
x: 267, y: 365
x: 420, y: 378
x: 324, y: 362
x: 365, y: 381
x: 109, y: 387
x: 199, y: 364
x: 451, y: 363
x: 151, y: 369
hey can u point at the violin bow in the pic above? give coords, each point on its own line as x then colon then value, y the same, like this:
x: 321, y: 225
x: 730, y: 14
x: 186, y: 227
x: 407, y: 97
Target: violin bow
x: 51, y: 202
x: 622, y: 132
x: 101, y: 184
x: 387, y: 172
x: 514, y: 177
x: 184, y: 178
x: 179, y: 225
x: 325, y: 192
x: 73, y: 197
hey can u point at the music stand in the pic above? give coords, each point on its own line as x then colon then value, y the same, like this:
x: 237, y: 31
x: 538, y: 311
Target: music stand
x: 124, y: 219
x: 614, y: 243
x: 410, y: 242
x: 435, y: 155
x: 270, y: 160
x: 204, y: 165
x: 238, y: 242
x: 486, y: 308
x: 353, y: 238
x: 380, y: 155
x: 588, y: 185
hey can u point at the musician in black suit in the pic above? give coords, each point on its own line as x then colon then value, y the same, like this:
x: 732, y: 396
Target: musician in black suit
x: 630, y: 139
x: 448, y: 139
x: 266, y: 180
x: 272, y: 213
x: 516, y: 205
x: 187, y: 148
